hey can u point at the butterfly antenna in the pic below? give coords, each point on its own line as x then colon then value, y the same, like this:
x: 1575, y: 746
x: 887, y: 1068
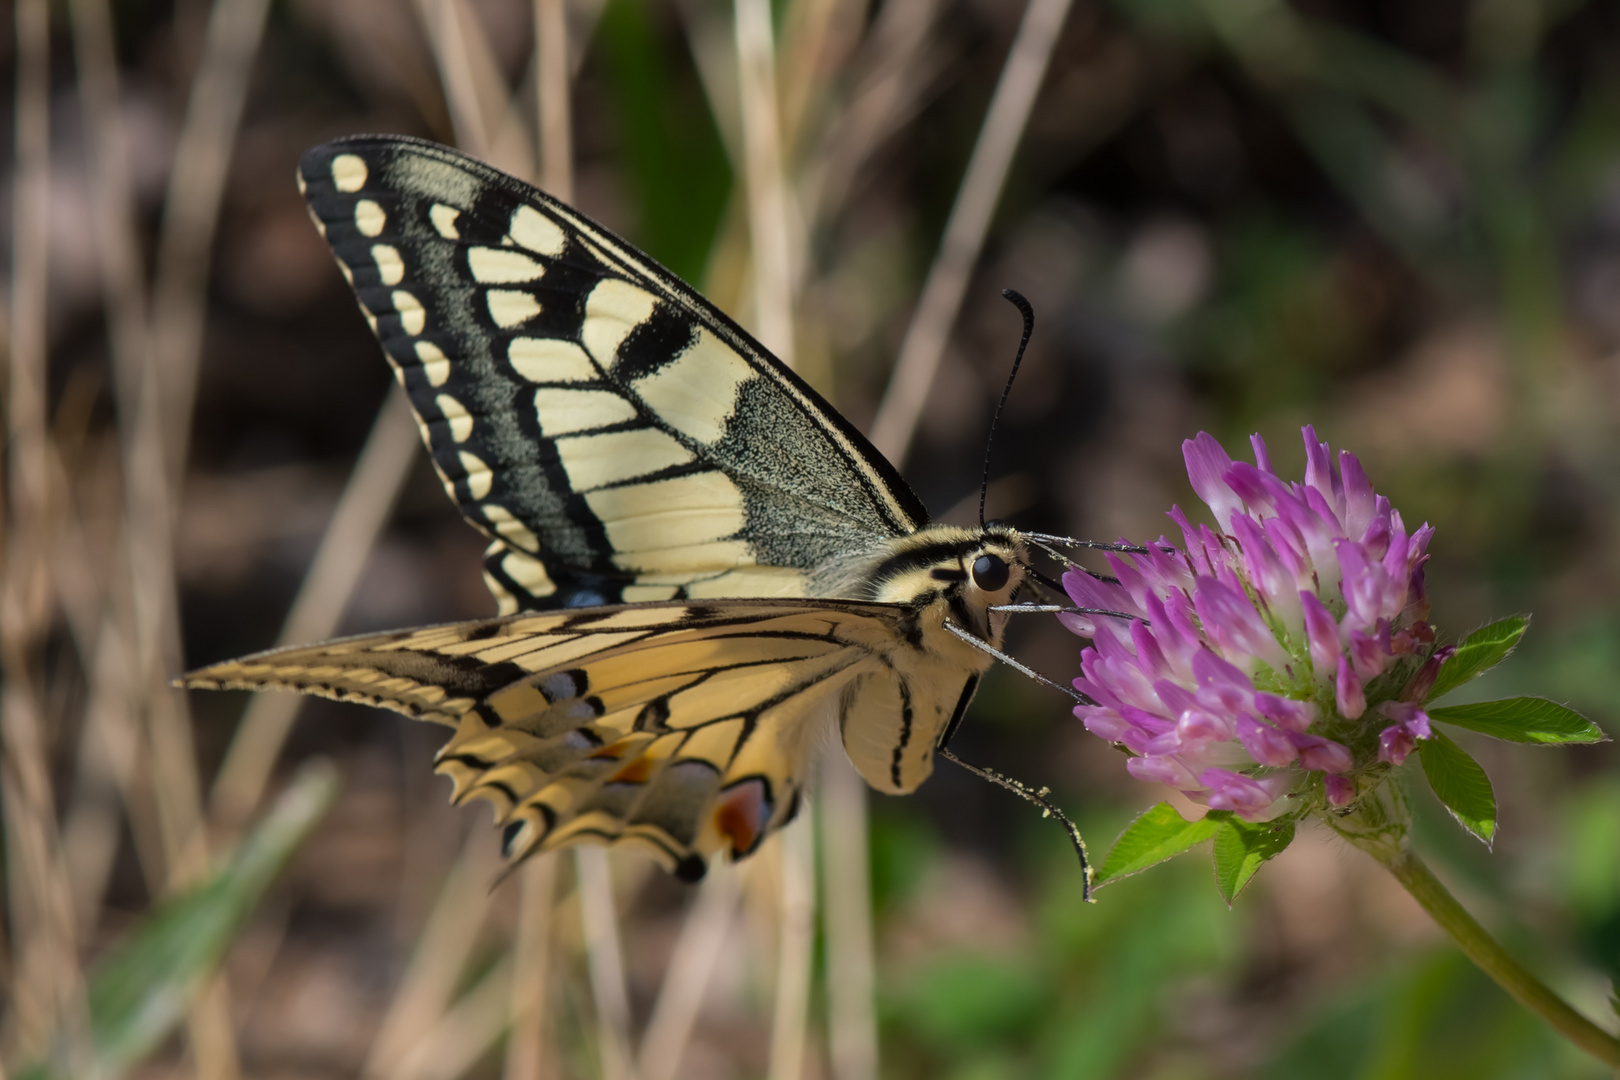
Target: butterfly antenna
x: 1017, y: 300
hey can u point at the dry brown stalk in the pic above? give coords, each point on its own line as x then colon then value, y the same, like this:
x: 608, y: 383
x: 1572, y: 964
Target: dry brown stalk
x: 967, y: 227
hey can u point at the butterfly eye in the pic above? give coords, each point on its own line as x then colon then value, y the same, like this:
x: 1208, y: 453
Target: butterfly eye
x: 990, y: 573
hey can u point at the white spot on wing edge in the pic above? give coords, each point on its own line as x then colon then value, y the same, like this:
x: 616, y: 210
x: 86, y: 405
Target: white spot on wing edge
x: 369, y: 217
x: 444, y: 220
x: 696, y: 393
x: 495, y: 266
x: 479, y: 477
x: 535, y: 231
x: 547, y: 360
x: 511, y: 307
x: 349, y: 172
x: 412, y: 316
x: 435, y: 365
x: 456, y: 415
x: 612, y: 310
x: 390, y: 267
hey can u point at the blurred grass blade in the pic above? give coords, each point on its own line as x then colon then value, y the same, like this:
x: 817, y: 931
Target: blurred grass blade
x: 965, y: 231
x: 143, y: 988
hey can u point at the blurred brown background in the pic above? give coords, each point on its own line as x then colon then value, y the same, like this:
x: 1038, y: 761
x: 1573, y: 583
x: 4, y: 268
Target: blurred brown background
x: 1399, y: 222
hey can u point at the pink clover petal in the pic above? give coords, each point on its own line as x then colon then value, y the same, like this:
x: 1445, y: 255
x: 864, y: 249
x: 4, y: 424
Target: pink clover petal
x: 1248, y: 797
x: 1408, y: 715
x: 1369, y: 653
x: 1422, y: 681
x: 1262, y: 458
x: 1341, y: 790
x: 1360, y: 502
x: 1319, y: 472
x: 1398, y: 740
x: 1289, y: 547
x: 1349, y: 693
x: 1174, y: 698
x: 1322, y: 632
x: 1395, y: 743
x: 1082, y: 625
x: 1285, y: 712
x: 1162, y: 770
x: 1250, y: 484
x: 1266, y: 572
x: 1207, y: 464
x: 1323, y: 755
x: 1192, y: 548
x: 1266, y: 744
x: 1375, y: 539
x: 1102, y: 721
x: 1227, y: 683
x: 1202, y: 726
x: 1231, y: 622
x: 1149, y: 657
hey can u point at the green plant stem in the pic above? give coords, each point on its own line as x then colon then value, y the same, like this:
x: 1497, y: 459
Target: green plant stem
x: 1494, y: 960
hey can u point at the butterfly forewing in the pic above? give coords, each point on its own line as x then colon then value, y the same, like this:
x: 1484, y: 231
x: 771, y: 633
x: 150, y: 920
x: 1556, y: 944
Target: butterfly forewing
x: 683, y: 727
x: 616, y: 437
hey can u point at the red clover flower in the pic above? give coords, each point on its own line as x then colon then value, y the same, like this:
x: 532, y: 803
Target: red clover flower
x: 1282, y: 665
x: 1276, y: 663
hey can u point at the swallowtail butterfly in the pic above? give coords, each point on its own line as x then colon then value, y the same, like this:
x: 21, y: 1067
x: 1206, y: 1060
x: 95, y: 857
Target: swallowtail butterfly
x: 701, y: 567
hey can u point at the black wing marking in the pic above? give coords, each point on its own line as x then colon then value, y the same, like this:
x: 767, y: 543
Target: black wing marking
x: 616, y: 437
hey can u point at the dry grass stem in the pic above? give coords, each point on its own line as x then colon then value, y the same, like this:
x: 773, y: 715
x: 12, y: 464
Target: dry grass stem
x: 553, y: 100
x: 847, y: 895
x: 528, y: 1050
x: 795, y: 848
x: 464, y: 1034
x: 442, y: 23
x: 599, y: 919
x: 441, y: 955
x: 769, y: 224
x: 891, y: 70
x: 191, y: 207
x: 709, y: 921
x: 46, y: 991
x: 361, y: 514
x: 817, y: 38
x: 965, y: 230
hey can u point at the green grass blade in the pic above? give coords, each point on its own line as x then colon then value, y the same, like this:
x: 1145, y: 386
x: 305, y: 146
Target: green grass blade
x: 140, y: 991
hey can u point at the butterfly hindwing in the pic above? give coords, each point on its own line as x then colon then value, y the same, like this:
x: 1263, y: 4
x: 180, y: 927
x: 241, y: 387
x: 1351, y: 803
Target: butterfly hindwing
x: 684, y: 727
x: 616, y: 437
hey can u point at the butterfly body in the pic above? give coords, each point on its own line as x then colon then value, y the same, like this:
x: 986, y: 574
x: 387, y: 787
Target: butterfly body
x: 701, y: 567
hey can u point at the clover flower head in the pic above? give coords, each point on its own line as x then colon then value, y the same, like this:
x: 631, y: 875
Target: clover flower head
x: 1281, y: 656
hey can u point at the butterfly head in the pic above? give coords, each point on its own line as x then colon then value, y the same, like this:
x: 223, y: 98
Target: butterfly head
x: 963, y: 571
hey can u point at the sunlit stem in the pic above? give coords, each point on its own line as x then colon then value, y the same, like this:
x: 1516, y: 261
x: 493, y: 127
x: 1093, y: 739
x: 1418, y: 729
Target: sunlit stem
x: 1493, y: 960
